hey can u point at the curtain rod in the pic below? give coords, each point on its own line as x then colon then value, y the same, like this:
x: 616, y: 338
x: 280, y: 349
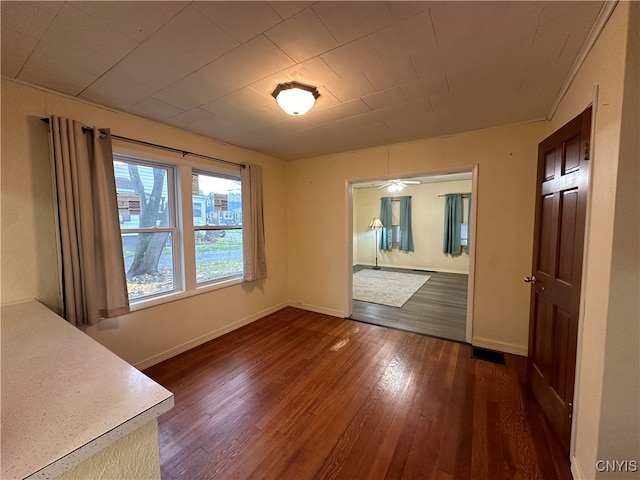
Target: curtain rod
x: 184, y: 153
x: 463, y: 194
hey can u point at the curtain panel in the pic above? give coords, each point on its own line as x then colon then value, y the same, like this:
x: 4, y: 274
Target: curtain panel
x: 468, y: 249
x: 451, y: 244
x: 93, y: 279
x: 253, y: 244
x: 386, y: 219
x: 406, y: 232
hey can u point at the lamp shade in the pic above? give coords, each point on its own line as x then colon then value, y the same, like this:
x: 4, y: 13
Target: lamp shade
x: 295, y: 98
x: 376, y: 223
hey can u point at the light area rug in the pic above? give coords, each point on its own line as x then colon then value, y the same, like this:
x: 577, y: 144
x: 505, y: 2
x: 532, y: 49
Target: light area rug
x: 386, y: 288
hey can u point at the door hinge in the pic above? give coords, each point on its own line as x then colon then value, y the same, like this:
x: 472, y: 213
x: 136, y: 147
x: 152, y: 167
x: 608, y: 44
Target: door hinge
x: 570, y: 409
x: 586, y: 150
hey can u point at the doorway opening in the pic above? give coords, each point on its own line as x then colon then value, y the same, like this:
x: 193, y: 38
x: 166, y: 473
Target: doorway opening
x: 421, y: 290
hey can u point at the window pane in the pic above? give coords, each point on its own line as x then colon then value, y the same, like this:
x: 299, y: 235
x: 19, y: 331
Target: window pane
x: 216, y: 200
x: 148, y: 263
x: 395, y: 233
x: 143, y: 195
x: 218, y: 254
x: 464, y: 234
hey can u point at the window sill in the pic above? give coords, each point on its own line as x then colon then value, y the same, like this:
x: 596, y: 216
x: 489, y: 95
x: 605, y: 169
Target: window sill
x: 173, y: 296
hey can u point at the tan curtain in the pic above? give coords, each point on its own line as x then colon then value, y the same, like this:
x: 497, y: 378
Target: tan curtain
x: 255, y: 262
x: 93, y: 279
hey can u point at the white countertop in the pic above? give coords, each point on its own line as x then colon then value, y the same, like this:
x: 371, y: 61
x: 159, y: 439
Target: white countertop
x: 64, y: 396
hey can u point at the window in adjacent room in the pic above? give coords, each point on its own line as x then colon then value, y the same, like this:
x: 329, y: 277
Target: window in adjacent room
x: 395, y: 223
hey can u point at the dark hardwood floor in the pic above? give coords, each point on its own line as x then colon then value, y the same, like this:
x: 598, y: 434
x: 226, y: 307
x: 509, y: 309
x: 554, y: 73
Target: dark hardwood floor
x: 300, y: 395
x: 438, y: 308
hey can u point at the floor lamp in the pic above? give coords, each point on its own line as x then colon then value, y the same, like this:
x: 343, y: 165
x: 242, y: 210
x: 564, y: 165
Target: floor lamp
x: 376, y: 225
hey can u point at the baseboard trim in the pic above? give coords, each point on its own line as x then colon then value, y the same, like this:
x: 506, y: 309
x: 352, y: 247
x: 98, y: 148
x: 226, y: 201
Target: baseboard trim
x: 576, y: 471
x: 314, y: 308
x: 500, y: 346
x: 415, y: 267
x: 172, y: 352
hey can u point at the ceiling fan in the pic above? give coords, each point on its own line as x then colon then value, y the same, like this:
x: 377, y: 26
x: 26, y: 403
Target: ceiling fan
x: 398, y: 185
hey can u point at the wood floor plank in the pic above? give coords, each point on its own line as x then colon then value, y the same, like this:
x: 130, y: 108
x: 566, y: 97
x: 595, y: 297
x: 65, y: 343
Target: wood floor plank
x: 299, y: 395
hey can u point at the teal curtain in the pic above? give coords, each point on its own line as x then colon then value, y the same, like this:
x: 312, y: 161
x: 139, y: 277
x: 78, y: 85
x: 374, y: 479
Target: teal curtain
x: 452, y: 224
x: 385, y: 218
x: 406, y: 234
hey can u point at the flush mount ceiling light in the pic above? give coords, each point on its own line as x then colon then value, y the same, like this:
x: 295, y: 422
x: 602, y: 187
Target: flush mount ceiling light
x: 295, y: 98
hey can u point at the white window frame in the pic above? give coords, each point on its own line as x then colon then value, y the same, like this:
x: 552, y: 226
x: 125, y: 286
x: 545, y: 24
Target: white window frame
x: 210, y: 227
x: 184, y: 246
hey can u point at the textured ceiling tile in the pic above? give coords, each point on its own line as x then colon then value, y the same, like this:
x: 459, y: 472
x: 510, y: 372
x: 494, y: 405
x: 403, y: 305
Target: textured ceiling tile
x: 41, y: 70
x: 135, y: 19
x: 350, y: 87
x: 426, y: 87
x: 241, y: 20
x: 78, y: 39
x: 247, y: 97
x: 311, y: 119
x: 191, y: 117
x: 156, y: 76
x: 29, y: 18
x: 431, y: 61
x: 232, y: 116
x: 401, y: 9
x: 302, y: 36
x: 156, y: 109
x: 352, y: 58
x: 410, y: 36
x: 348, y: 21
x: 452, y: 20
x: 80, y: 54
x: 190, y: 92
x: 312, y: 72
x: 252, y: 61
x: 385, y: 99
x: 16, y: 49
x: 288, y: 8
x: 391, y: 73
x: 117, y: 91
x: 351, y: 108
x: 188, y: 42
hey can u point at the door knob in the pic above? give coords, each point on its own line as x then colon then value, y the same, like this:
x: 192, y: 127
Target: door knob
x: 530, y: 280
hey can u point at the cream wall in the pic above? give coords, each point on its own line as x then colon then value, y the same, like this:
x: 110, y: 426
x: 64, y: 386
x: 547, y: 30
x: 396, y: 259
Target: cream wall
x: 606, y: 420
x: 29, y: 258
x: 427, y: 223
x: 318, y: 194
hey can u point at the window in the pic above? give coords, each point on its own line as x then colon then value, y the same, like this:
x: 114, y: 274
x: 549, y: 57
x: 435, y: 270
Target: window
x: 146, y: 206
x: 157, y: 222
x: 217, y: 233
x: 395, y: 223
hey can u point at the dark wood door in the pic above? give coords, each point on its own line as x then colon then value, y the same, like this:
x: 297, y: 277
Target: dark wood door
x: 563, y: 180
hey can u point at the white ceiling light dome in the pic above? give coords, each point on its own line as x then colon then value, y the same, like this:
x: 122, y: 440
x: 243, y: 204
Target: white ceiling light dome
x: 295, y: 98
